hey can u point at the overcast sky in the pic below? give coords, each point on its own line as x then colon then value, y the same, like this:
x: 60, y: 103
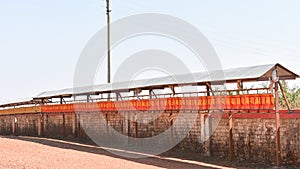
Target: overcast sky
x: 40, y: 41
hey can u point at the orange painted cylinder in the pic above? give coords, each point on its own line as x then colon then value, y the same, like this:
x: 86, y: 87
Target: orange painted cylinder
x: 163, y: 104
x: 200, y: 103
x: 246, y: 103
x: 251, y: 101
x: 238, y: 104
x: 257, y: 101
x: 205, y: 103
x: 157, y: 105
x: 263, y: 101
x: 228, y: 103
x: 269, y: 101
x: 176, y: 103
x: 184, y: 103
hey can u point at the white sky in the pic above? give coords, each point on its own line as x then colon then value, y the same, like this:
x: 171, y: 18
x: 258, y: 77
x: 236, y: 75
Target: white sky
x: 40, y: 41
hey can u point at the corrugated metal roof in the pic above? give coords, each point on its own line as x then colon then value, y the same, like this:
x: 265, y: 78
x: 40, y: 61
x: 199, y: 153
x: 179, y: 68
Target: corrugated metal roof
x: 252, y: 73
x: 18, y: 102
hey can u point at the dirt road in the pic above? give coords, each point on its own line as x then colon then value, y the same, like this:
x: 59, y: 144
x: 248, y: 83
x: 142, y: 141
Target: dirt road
x: 27, y: 152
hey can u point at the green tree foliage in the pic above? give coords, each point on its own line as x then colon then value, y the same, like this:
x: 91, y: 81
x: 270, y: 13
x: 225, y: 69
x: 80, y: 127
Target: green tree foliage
x: 292, y: 94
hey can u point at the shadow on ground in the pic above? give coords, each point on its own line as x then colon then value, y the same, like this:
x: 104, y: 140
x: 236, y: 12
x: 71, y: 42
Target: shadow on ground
x: 163, y: 161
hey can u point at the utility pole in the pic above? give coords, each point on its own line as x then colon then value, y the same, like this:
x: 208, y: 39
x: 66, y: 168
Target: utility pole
x: 108, y: 39
x: 108, y: 43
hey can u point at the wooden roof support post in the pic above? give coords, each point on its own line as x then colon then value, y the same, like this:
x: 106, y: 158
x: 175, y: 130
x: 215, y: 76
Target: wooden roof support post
x: 88, y: 98
x: 284, y: 96
x: 172, y: 89
x: 230, y: 137
x: 239, y: 86
x: 150, y: 93
x: 61, y: 100
x: 209, y: 89
x: 278, y: 147
x: 118, y: 96
x: 137, y: 92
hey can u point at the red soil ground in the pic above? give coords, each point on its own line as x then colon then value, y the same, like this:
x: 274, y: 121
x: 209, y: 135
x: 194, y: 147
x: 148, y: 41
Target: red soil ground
x: 27, y: 152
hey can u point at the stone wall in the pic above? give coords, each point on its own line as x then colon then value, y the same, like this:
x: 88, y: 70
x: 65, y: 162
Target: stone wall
x: 253, y: 136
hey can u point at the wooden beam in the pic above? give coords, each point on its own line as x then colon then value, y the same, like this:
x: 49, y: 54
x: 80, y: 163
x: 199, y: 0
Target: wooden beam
x: 239, y: 86
x: 230, y: 137
x: 172, y: 89
x: 284, y: 96
x: 278, y: 147
x: 64, y: 125
x: 209, y: 89
x: 39, y: 125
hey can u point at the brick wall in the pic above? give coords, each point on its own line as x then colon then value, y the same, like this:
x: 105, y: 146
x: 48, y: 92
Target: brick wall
x: 253, y: 138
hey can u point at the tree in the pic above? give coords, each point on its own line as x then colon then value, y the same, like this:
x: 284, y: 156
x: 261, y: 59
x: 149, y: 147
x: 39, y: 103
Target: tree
x: 292, y: 94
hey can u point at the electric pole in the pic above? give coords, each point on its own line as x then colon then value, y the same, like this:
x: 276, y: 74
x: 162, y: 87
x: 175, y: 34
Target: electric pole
x: 108, y: 40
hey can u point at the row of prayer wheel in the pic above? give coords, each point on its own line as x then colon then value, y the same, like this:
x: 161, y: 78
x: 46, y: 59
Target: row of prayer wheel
x: 234, y: 102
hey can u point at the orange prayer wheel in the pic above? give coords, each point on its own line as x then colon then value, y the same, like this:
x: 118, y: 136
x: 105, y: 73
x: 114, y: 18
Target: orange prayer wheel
x: 238, y: 104
x: 209, y: 101
x: 176, y: 103
x: 223, y: 102
x: 163, y: 104
x: 152, y: 104
x: 127, y: 105
x: 233, y: 102
x: 139, y: 105
x: 90, y: 107
x: 217, y: 101
x: 251, y: 101
x: 200, y: 103
x: 104, y: 106
x: 148, y: 106
x: 228, y: 105
x: 124, y: 105
x: 205, y: 103
x: 100, y: 106
x: 142, y: 105
x: 156, y: 105
x: 189, y: 103
x: 82, y: 106
x: 184, y: 103
x: 263, y: 101
x: 133, y: 105
x: 145, y: 105
x: 246, y: 103
x: 213, y: 104
x: 108, y: 106
x: 194, y: 103
x: 119, y: 105
x: 257, y: 101
x: 169, y: 104
x: 271, y: 101
x: 268, y: 102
